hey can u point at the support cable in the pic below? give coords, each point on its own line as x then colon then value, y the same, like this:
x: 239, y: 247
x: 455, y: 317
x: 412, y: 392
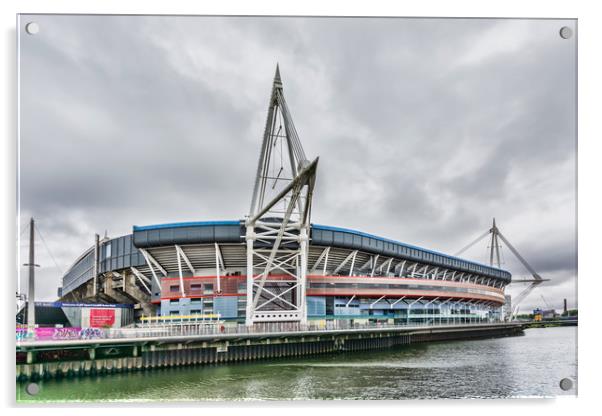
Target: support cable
x: 48, y: 250
x: 522, y: 260
x: 24, y: 229
x: 479, y: 238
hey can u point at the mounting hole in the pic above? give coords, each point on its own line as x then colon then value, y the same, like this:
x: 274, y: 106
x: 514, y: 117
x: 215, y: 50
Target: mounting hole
x: 566, y: 384
x: 32, y: 28
x: 32, y: 389
x: 566, y: 32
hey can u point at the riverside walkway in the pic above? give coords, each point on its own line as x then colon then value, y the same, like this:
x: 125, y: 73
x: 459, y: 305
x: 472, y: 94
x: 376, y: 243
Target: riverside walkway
x: 202, y: 331
x: 133, y: 349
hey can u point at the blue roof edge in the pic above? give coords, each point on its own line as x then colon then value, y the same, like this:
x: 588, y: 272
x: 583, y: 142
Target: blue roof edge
x: 317, y: 226
x: 185, y: 224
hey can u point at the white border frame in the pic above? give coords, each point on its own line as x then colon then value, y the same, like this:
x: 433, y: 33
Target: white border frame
x: 589, y: 206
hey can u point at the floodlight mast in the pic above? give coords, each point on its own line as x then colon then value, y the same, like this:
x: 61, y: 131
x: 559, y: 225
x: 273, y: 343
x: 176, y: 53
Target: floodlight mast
x: 279, y: 220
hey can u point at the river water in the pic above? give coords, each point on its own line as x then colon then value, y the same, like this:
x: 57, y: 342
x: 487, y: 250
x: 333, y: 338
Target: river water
x: 527, y: 366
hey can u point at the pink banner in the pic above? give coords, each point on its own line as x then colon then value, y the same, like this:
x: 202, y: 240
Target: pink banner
x: 43, y: 334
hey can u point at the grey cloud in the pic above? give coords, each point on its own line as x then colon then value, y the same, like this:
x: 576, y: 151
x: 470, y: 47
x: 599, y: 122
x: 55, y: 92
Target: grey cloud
x: 425, y: 128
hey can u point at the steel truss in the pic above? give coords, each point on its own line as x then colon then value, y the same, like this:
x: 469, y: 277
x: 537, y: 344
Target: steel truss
x: 334, y: 261
x: 277, y: 227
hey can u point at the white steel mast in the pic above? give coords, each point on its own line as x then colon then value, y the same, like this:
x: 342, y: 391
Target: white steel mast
x: 277, y: 227
x: 495, y: 249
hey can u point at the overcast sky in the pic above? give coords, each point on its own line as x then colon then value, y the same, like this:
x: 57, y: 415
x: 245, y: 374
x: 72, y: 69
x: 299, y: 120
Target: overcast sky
x: 426, y: 129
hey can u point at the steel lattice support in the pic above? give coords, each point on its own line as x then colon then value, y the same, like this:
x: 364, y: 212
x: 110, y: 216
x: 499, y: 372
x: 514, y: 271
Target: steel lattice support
x: 277, y: 231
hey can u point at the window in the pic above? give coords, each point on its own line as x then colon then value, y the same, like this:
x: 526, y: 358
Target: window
x: 174, y: 288
x: 174, y: 301
x: 108, y: 250
x: 196, y: 287
x: 209, y: 288
x: 195, y: 311
x: 195, y: 300
x: 174, y: 313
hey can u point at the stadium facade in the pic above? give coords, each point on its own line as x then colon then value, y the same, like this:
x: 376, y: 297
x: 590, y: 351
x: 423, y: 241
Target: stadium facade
x: 275, y: 265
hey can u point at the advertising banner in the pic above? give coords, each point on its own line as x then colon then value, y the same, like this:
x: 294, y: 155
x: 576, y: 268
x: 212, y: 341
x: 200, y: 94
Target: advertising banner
x: 100, y: 318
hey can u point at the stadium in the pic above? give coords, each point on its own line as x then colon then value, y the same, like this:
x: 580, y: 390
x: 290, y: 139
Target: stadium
x: 275, y: 265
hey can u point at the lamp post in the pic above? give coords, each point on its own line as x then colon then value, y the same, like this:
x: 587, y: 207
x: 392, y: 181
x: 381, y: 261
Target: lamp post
x: 31, y: 311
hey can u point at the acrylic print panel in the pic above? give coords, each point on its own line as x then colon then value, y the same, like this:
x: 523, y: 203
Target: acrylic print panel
x: 240, y: 208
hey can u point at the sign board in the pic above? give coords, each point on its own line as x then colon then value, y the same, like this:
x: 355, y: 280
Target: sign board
x: 102, y: 317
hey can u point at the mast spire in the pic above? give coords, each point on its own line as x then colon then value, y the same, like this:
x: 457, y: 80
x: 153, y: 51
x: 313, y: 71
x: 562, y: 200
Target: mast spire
x: 281, y: 155
x: 277, y: 79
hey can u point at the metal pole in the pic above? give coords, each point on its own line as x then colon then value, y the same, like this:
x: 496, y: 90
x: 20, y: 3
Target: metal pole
x: 303, y: 243
x: 31, y: 314
x: 492, y: 244
x: 217, y: 270
x: 96, y: 262
x: 250, y: 238
x: 180, y: 272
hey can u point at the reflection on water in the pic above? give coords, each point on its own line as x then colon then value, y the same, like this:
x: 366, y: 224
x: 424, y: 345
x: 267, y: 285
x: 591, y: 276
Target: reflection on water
x: 531, y: 365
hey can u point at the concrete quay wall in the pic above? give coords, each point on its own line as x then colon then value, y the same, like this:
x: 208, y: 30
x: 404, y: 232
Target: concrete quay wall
x: 48, y: 359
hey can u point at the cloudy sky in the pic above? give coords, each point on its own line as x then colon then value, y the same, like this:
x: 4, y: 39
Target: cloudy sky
x: 425, y: 128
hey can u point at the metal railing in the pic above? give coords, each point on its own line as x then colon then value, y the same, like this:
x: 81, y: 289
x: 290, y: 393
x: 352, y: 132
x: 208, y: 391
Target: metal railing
x: 220, y: 328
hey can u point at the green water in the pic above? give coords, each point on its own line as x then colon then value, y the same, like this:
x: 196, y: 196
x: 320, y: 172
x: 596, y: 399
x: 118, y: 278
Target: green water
x: 530, y: 365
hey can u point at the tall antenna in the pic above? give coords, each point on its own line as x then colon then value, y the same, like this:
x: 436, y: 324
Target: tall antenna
x: 278, y: 220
